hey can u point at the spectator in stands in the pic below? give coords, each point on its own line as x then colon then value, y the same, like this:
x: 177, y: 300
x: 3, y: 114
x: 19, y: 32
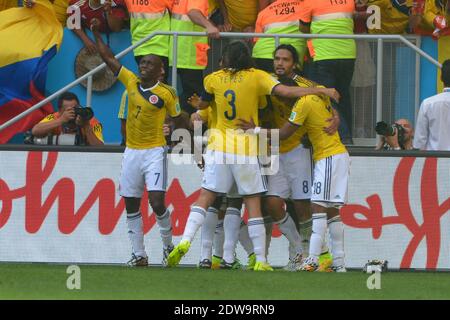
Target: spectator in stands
x: 398, y: 142
x: 281, y: 17
x: 112, y: 16
x: 69, y: 128
x: 364, y: 78
x: 192, y: 52
x: 334, y: 59
x: 436, y: 17
x: 433, y: 120
x: 396, y: 16
x: 146, y: 19
x: 216, y: 45
x: 240, y: 15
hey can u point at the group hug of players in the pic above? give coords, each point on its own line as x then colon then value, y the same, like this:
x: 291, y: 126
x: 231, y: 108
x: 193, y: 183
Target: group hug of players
x: 239, y: 103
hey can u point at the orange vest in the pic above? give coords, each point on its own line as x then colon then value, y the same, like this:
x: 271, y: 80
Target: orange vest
x: 192, y: 52
x: 147, y: 16
x: 280, y: 17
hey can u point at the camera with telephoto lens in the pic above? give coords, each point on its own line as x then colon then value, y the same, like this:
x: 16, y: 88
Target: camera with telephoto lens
x: 85, y: 113
x: 384, y: 129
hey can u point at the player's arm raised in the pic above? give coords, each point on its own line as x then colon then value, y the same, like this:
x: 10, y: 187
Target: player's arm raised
x: 103, y: 49
x: 297, y: 92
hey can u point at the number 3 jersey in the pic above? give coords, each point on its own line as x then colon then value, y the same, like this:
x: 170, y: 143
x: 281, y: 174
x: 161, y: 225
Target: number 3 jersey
x: 147, y: 109
x: 237, y: 95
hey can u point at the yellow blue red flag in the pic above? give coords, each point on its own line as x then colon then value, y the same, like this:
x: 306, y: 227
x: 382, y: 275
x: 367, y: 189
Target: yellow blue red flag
x: 29, y: 38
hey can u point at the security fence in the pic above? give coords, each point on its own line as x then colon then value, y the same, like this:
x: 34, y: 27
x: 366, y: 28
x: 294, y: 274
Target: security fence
x: 385, y: 84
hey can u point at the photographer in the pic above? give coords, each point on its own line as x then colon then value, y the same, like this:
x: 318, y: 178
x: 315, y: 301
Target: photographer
x: 398, y: 136
x: 72, y: 125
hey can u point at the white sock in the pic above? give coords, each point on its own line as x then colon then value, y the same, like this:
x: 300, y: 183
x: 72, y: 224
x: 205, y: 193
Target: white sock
x: 336, y: 228
x: 319, y: 227
x: 195, y: 221
x: 136, y: 233
x: 325, y: 242
x: 257, y: 233
x: 218, y: 239
x: 288, y: 229
x: 268, y: 224
x: 231, y: 226
x: 208, y: 229
x: 244, y: 239
x: 305, y: 234
x: 165, y: 228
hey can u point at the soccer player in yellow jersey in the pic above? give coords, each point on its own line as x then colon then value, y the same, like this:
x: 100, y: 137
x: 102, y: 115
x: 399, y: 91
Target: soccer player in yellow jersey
x: 217, y: 221
x: 293, y: 180
x: 145, y: 157
x: 330, y: 183
x: 232, y: 155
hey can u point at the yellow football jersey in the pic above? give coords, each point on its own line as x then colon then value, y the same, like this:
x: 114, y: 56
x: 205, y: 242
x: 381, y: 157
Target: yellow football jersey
x: 208, y: 115
x: 147, y: 110
x: 280, y: 115
x: 212, y: 6
x: 311, y: 114
x: 242, y: 13
x: 6, y: 4
x: 123, y: 107
x: 237, y: 96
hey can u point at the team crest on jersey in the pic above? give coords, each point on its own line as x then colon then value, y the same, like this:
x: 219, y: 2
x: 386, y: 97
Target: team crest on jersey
x: 153, y: 99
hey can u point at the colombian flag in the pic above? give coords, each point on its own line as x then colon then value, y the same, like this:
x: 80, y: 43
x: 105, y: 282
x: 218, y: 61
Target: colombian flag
x: 29, y: 38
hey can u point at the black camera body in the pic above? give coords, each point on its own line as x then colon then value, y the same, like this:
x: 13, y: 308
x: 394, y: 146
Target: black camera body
x: 84, y: 113
x: 384, y: 129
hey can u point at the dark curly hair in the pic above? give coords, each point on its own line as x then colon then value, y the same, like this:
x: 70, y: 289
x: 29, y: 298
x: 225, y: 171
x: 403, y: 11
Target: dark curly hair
x: 236, y: 56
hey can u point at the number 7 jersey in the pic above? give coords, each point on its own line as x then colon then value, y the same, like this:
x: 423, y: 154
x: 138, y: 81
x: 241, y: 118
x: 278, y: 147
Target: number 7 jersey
x: 237, y: 95
x: 147, y: 109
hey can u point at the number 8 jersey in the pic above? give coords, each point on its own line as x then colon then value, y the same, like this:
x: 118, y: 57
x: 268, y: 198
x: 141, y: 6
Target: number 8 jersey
x: 147, y: 110
x: 237, y: 95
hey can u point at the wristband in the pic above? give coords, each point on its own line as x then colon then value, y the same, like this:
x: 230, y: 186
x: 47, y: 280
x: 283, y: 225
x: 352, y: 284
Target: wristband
x: 257, y: 130
x: 397, y: 148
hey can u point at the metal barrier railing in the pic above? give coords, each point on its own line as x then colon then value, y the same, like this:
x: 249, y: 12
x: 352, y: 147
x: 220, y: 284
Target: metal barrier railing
x: 379, y: 38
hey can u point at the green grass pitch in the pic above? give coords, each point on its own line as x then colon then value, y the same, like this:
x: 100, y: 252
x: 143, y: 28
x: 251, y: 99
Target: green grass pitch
x: 46, y: 281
